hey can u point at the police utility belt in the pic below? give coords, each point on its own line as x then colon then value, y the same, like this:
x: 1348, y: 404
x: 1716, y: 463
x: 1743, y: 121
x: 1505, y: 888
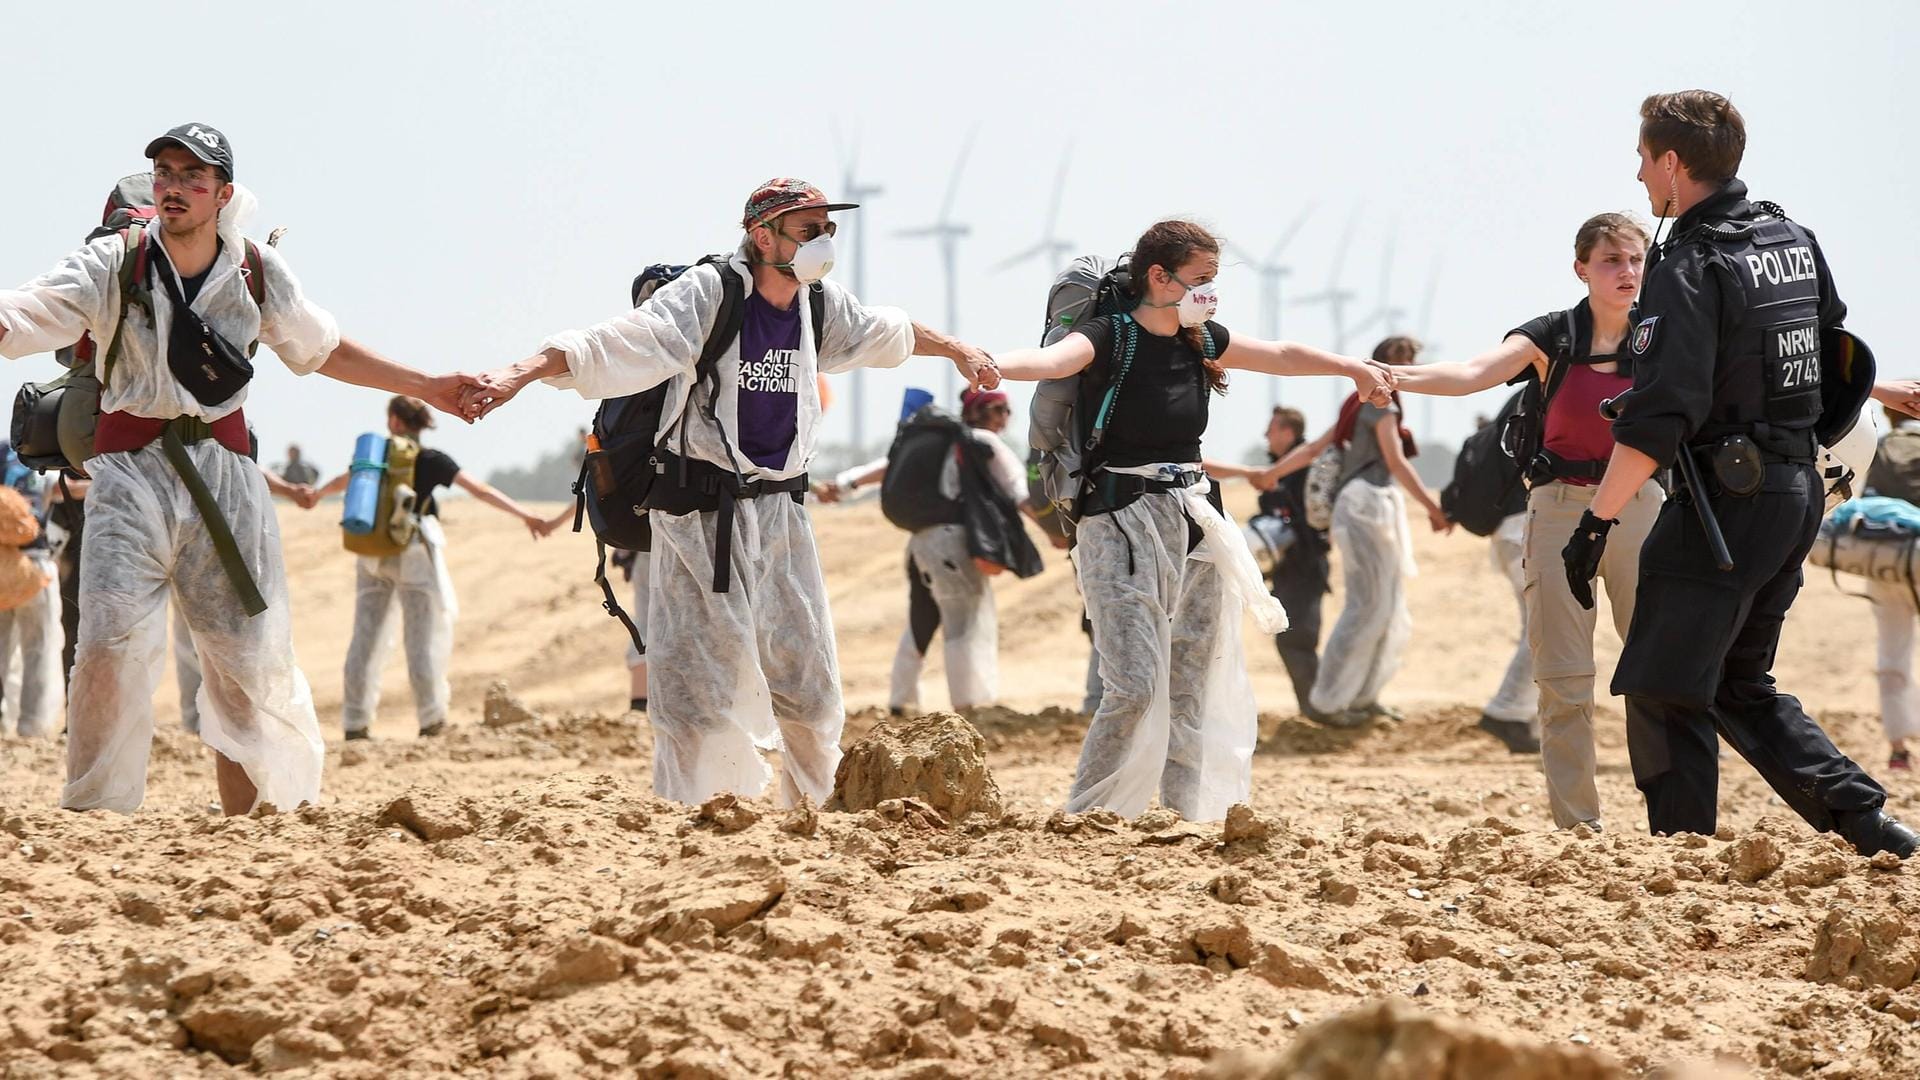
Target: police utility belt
x: 1740, y: 455
x: 686, y: 485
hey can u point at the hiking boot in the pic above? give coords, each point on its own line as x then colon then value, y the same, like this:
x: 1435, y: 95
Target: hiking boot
x: 433, y: 729
x: 1900, y: 761
x: 1517, y: 734
x: 1875, y: 831
x: 355, y: 736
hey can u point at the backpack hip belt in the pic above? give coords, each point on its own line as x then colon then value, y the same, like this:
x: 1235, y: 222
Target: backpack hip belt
x: 124, y: 432
x: 688, y: 485
x: 1111, y: 491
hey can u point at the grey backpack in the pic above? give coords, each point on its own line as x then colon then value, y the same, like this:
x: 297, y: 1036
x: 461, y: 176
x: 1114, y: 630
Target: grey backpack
x: 1090, y: 286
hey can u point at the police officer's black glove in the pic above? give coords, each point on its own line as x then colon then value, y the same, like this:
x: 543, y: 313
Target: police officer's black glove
x: 1582, y: 556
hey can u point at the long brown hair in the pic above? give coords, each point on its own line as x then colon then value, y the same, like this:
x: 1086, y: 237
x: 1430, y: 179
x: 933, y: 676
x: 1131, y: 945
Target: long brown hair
x: 1168, y: 245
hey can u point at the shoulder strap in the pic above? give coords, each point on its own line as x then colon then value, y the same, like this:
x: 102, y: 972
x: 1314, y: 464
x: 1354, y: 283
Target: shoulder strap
x: 1207, y: 343
x: 256, y: 275
x: 1561, y: 360
x: 133, y: 288
x: 817, y: 308
x: 726, y: 322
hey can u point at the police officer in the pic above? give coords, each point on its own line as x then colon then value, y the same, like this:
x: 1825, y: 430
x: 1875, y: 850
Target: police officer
x: 1727, y: 368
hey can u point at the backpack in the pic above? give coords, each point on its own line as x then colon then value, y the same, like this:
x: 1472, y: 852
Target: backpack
x: 395, y: 518
x: 1488, y: 485
x: 910, y: 495
x: 1325, y: 475
x: 1068, y: 439
x: 1523, y: 429
x: 1896, y: 467
x: 54, y: 422
x: 618, y: 471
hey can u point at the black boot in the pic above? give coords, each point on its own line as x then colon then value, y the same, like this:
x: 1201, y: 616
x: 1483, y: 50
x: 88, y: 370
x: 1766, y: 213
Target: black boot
x: 1874, y: 831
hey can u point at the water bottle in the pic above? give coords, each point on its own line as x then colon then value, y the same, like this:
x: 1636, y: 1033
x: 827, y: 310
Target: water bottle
x: 363, y: 484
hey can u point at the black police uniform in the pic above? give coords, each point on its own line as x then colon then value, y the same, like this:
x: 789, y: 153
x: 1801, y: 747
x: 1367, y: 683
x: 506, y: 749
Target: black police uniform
x: 1300, y: 582
x: 1727, y: 344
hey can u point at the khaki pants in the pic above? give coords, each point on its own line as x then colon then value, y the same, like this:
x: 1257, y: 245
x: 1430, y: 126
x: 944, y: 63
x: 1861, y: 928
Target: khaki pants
x: 1560, y: 633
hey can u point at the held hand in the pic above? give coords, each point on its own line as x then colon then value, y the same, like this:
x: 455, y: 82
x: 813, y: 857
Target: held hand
x: 1582, y: 556
x: 826, y: 491
x: 977, y: 368
x: 1900, y: 394
x: 1374, y: 382
x: 489, y: 391
x: 450, y: 393
x: 304, y: 496
x: 1438, y: 519
x: 538, y: 527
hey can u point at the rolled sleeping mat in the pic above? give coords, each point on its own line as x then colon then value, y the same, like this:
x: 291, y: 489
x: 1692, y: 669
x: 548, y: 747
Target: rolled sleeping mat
x: 1883, y: 555
x: 363, y: 485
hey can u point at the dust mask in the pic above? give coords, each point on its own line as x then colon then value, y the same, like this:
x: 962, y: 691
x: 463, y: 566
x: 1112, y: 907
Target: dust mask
x: 812, y: 260
x: 1199, y: 303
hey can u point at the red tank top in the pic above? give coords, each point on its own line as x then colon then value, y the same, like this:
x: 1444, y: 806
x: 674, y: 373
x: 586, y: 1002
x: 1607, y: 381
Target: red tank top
x: 1575, y: 429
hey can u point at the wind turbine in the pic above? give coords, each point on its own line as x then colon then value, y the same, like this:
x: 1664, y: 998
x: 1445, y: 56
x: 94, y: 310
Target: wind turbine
x: 1051, y: 249
x: 1337, y: 298
x: 853, y: 191
x: 948, y: 233
x: 1271, y: 272
x: 1389, y: 317
x: 1431, y: 348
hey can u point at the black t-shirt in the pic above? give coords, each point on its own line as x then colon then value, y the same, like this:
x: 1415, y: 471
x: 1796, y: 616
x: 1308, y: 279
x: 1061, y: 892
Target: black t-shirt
x: 432, y: 469
x: 1161, y: 409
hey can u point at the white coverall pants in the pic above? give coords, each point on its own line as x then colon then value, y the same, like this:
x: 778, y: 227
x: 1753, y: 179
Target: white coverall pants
x: 1369, y: 640
x: 418, y: 578
x: 144, y: 537
x: 1893, y: 616
x: 1176, y: 713
x: 969, y: 626
x: 35, y: 628
x: 749, y: 669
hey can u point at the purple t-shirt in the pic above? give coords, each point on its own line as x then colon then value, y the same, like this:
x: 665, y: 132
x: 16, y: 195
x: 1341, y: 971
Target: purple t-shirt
x: 769, y: 402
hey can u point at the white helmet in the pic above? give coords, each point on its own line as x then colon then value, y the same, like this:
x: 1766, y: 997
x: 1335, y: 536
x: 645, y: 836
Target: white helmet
x: 1843, y: 466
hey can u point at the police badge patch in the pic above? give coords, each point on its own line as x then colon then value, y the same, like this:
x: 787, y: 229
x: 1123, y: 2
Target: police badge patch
x: 1643, y: 335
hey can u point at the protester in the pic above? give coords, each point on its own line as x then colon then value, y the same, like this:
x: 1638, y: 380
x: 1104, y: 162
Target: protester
x: 419, y: 579
x: 1165, y: 575
x: 161, y: 296
x: 736, y: 668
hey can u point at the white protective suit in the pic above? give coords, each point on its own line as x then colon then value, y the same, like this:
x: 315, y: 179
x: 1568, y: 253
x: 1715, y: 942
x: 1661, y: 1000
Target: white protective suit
x: 969, y: 624
x: 144, y: 536
x: 418, y: 577
x: 1370, y: 638
x: 637, y: 611
x: 1177, y: 714
x: 754, y: 667
x: 186, y: 671
x: 34, y: 628
x: 1518, y: 699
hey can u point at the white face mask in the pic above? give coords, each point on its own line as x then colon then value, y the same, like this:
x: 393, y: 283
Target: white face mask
x: 1199, y: 303
x: 812, y: 260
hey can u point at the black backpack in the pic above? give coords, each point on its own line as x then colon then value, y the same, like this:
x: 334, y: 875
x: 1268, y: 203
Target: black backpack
x: 621, y: 463
x: 1487, y: 485
x: 910, y: 492
x: 1492, y: 473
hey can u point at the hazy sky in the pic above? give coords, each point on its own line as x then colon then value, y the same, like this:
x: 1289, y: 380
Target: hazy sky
x: 461, y: 179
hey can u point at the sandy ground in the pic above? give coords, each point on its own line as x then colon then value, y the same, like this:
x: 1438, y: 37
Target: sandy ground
x: 510, y: 900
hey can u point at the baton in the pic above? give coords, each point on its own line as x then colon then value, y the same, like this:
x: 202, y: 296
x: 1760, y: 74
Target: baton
x: 1690, y: 474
